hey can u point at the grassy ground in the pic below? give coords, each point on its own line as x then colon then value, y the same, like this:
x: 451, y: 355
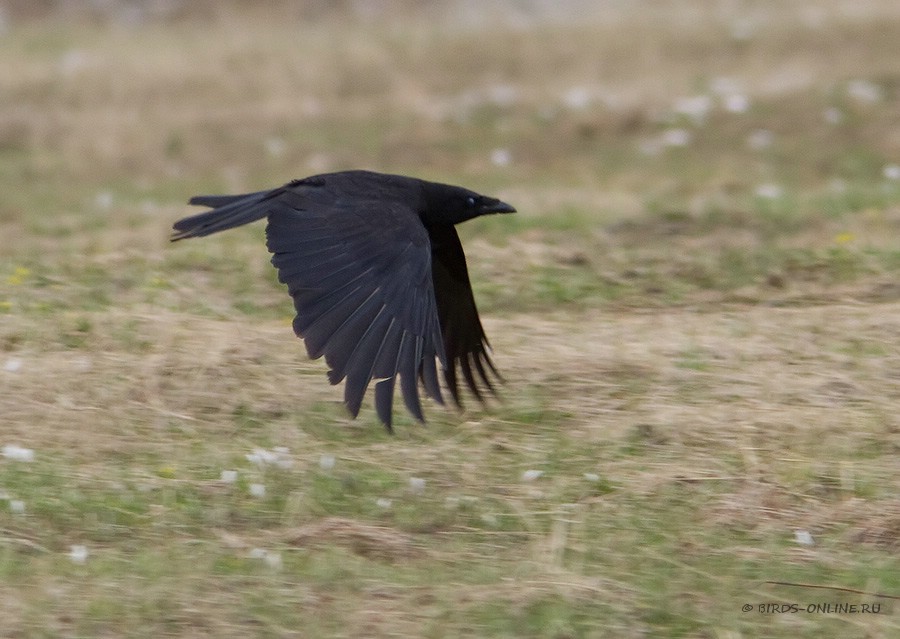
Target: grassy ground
x: 696, y: 311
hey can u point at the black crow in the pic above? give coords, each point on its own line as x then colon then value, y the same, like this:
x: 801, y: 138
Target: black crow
x: 378, y: 277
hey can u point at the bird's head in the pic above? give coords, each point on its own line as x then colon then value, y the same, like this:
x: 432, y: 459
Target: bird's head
x: 445, y: 204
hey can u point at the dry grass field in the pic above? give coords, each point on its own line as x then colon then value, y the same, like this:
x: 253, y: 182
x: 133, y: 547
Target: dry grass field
x: 696, y: 310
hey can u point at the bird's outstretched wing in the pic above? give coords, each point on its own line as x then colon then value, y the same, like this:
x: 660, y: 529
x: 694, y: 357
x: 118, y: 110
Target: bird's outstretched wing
x: 359, y: 272
x: 465, y: 343
x: 381, y: 295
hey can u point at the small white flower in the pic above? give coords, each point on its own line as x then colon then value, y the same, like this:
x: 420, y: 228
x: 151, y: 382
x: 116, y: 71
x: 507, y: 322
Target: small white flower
x: 319, y: 162
x: 103, y: 200
x: 283, y: 457
x: 273, y: 559
x: 760, y: 139
x: 837, y: 185
x: 16, y: 506
x: 676, y: 137
x: 864, y: 91
x: 502, y: 95
x: 578, y: 98
x: 258, y: 490
x: 73, y: 61
x: 12, y: 365
x: 723, y: 85
x: 892, y: 172
x: 228, y: 476
x: 275, y: 147
x: 326, y: 462
x: 736, y: 103
x: 78, y: 554
x: 769, y: 191
x: 501, y: 157
x: 531, y: 475
x: 833, y: 115
x: 416, y: 485
x: 18, y: 453
x: 695, y: 107
x: 278, y: 456
x: 260, y: 457
x: 803, y: 538
x: 383, y: 502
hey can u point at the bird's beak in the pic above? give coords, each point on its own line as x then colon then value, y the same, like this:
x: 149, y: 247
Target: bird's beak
x: 496, y: 206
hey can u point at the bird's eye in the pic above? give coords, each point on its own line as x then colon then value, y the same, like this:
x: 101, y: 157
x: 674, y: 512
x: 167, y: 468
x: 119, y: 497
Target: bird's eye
x: 470, y: 201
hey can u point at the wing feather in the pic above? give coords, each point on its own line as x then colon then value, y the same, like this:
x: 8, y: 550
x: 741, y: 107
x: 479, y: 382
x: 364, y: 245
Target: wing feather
x: 363, y: 292
x: 464, y: 341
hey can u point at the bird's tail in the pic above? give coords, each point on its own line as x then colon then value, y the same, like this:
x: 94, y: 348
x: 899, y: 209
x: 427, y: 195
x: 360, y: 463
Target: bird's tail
x: 228, y: 211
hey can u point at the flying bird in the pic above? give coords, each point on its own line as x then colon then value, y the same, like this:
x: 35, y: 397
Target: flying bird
x: 378, y: 277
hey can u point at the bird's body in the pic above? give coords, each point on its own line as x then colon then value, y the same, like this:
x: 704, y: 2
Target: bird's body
x: 378, y: 277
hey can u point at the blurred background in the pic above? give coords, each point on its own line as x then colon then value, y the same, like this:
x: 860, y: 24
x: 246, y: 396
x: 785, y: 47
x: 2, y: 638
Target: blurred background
x: 695, y: 309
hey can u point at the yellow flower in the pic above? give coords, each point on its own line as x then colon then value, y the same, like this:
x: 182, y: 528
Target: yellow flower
x: 18, y: 276
x: 844, y: 238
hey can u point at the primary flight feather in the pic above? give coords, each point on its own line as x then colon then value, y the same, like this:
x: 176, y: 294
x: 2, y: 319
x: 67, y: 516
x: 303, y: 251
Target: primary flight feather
x: 378, y: 277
